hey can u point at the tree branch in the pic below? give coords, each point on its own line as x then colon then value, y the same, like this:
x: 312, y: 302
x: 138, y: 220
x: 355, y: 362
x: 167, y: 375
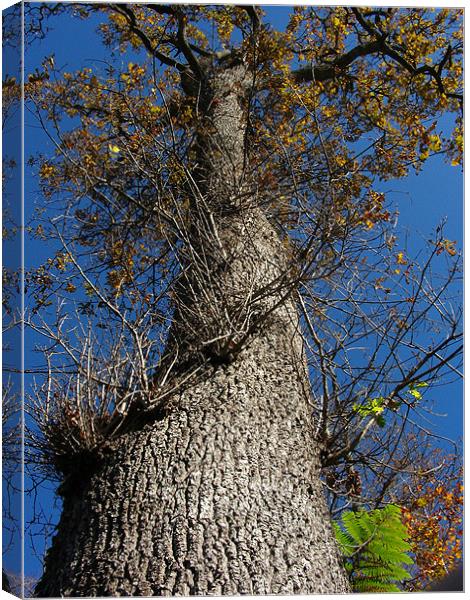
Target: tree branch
x: 185, y: 48
x: 124, y: 10
x: 253, y: 14
x: 401, y: 60
x: 329, y: 71
x: 380, y: 46
x: 161, y: 9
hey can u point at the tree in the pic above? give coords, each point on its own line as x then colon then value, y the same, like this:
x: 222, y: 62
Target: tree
x: 221, y: 244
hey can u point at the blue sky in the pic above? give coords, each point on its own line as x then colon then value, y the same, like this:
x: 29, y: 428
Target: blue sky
x: 423, y: 201
x: 11, y: 340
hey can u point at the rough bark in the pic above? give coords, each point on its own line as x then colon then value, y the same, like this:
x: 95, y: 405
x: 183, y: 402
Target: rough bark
x: 220, y: 494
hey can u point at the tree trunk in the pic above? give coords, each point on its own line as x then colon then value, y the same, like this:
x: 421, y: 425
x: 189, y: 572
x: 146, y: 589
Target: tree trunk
x: 220, y: 494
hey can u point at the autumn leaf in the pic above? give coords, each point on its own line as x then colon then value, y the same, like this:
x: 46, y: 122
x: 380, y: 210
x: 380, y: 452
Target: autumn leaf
x: 400, y: 259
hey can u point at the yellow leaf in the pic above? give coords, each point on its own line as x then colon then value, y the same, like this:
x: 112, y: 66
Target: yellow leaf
x: 335, y: 21
x: 424, y: 155
x: 46, y: 171
x: 114, y: 149
x: 434, y: 143
x: 400, y: 259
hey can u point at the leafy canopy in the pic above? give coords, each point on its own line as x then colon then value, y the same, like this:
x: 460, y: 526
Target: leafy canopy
x: 341, y: 99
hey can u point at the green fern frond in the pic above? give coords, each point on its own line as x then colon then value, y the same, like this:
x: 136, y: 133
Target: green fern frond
x: 393, y: 539
x: 374, y: 548
x: 358, y: 526
x: 387, y: 555
x: 346, y: 542
x: 384, y: 572
x: 373, y: 586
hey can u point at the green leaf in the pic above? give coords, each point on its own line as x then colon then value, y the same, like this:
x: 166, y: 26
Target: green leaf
x: 413, y: 389
x: 373, y: 407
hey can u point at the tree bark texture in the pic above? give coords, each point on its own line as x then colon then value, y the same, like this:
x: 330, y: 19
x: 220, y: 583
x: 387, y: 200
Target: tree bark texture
x: 221, y: 493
